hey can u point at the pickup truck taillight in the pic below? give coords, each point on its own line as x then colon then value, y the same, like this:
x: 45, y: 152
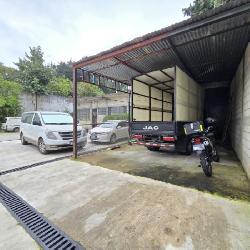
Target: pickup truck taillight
x: 197, y: 140
x: 168, y: 138
x: 137, y: 136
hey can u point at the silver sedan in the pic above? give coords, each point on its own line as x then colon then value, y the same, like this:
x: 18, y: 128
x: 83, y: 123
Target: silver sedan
x: 109, y: 131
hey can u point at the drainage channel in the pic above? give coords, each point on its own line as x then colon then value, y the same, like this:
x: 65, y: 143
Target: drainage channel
x: 44, y: 232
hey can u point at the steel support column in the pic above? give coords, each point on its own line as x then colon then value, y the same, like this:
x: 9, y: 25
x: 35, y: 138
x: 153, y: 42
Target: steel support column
x: 75, y: 113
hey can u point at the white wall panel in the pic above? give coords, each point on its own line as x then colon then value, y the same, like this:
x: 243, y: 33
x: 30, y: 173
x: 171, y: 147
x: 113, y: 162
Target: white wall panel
x: 240, y: 127
x: 188, y: 99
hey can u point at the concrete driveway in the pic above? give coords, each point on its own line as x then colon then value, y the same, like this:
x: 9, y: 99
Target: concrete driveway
x: 14, y: 155
x: 106, y: 209
x: 8, y: 136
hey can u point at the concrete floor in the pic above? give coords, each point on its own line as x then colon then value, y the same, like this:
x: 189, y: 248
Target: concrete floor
x: 8, y: 136
x: 229, y: 179
x: 106, y: 209
x: 12, y: 235
x: 13, y: 154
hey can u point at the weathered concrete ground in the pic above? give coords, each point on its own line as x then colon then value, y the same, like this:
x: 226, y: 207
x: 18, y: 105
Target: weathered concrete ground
x: 9, y: 136
x: 12, y: 235
x: 105, y: 209
x: 13, y: 154
x: 228, y: 179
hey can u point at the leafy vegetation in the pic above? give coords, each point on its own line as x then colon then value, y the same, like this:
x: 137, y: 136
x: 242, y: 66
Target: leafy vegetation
x: 63, y: 86
x: 60, y: 86
x: 200, y: 6
x: 63, y: 69
x: 87, y: 89
x: 32, y: 73
x: 9, y: 98
x: 8, y: 73
x: 38, y: 78
x: 123, y: 116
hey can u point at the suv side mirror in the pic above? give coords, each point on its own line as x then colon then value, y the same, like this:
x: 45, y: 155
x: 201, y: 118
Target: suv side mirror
x: 118, y: 127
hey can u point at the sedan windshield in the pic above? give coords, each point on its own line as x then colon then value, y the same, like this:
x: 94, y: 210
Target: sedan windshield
x: 107, y: 125
x: 55, y: 118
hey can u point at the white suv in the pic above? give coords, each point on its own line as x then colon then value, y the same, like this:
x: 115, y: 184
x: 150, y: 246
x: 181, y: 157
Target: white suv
x: 50, y: 131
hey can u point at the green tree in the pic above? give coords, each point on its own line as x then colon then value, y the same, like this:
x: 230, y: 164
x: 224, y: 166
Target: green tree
x: 9, y: 98
x: 64, y: 69
x: 33, y: 74
x: 63, y: 86
x: 200, y: 6
x: 8, y: 73
x: 87, y: 89
x: 60, y: 86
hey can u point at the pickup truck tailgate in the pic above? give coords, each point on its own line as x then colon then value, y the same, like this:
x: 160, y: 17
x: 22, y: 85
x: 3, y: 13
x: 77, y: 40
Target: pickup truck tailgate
x: 153, y: 128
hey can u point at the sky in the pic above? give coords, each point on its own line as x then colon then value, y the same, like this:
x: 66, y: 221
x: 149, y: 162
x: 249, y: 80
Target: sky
x: 72, y: 29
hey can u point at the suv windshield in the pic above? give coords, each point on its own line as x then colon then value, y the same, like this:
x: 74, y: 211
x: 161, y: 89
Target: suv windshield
x: 55, y: 118
x: 107, y: 125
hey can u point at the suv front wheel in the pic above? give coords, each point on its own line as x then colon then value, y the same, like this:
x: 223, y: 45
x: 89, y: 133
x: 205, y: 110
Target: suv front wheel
x: 23, y: 141
x: 42, y: 146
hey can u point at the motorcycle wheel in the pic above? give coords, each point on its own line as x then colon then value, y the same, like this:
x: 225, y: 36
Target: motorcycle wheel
x: 216, y: 157
x: 206, y: 165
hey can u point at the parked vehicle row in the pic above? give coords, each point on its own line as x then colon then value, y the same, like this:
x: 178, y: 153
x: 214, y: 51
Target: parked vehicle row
x: 54, y: 131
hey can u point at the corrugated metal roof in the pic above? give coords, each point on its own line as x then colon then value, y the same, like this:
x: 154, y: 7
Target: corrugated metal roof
x: 208, y: 46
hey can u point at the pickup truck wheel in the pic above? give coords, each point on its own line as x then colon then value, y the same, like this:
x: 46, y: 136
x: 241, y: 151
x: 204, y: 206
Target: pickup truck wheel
x: 153, y: 148
x: 189, y: 148
x: 23, y: 141
x: 113, y: 139
x: 42, y: 147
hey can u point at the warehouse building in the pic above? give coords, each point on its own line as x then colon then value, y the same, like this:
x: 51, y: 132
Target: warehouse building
x: 211, y: 51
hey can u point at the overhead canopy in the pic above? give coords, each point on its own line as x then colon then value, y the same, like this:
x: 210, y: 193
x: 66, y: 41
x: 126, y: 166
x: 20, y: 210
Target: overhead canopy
x: 161, y: 79
x: 208, y: 47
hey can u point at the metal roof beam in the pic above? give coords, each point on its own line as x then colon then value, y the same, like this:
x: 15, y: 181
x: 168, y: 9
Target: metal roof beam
x: 135, y: 69
x: 166, y: 74
x: 187, y: 69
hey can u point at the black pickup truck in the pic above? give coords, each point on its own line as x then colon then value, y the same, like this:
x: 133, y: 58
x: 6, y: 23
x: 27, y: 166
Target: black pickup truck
x: 156, y: 135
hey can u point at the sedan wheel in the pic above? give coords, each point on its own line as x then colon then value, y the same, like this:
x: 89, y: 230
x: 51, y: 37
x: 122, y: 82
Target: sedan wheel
x: 113, y: 138
x: 42, y: 147
x: 16, y: 130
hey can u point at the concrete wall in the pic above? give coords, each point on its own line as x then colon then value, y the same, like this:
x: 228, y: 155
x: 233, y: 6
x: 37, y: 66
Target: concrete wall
x: 188, y: 98
x: 65, y: 104
x: 240, y: 96
x: 107, y: 101
x: 46, y: 103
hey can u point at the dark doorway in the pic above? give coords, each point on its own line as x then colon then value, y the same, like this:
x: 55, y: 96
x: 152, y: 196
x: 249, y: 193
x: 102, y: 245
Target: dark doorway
x: 94, y: 117
x: 216, y: 106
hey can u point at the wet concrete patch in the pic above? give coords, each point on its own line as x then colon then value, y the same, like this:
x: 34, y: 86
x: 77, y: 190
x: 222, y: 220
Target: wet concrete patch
x: 229, y: 179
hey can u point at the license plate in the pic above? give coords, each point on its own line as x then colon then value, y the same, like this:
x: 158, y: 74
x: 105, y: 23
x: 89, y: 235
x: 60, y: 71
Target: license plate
x: 93, y: 137
x: 198, y: 147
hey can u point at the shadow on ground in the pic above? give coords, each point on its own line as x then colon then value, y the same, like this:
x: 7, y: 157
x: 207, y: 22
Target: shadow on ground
x: 229, y: 179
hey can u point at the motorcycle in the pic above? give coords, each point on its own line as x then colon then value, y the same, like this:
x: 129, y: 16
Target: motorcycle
x: 203, y: 141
